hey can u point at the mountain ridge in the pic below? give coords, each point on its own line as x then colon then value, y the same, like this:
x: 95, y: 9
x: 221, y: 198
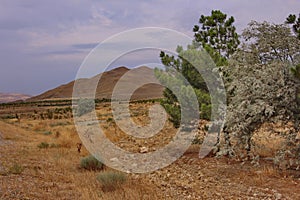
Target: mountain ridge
x: 11, y: 97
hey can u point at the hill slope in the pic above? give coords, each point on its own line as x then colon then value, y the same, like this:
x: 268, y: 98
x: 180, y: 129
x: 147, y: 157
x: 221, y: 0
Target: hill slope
x: 107, y: 83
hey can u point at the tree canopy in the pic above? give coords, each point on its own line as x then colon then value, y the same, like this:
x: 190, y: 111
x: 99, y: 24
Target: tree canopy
x: 260, y: 76
x: 292, y: 19
x: 217, y: 37
x: 268, y: 42
x: 217, y: 32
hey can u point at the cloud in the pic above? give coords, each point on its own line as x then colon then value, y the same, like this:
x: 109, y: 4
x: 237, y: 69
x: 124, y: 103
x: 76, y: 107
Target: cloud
x: 44, y: 37
x: 63, y: 52
x: 85, y: 45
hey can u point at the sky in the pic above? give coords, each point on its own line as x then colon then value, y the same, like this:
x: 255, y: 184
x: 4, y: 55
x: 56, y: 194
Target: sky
x: 43, y: 43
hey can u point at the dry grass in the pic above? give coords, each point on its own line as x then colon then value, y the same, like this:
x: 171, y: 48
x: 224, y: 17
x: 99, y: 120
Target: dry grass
x: 55, y: 173
x: 57, y: 169
x: 270, y: 137
x: 16, y: 169
x: 39, y: 126
x: 260, y: 176
x: 111, y: 180
x: 68, y: 138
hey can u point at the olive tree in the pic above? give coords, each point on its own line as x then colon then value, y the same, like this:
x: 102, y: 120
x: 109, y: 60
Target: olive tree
x: 256, y: 93
x: 268, y: 42
x: 260, y: 86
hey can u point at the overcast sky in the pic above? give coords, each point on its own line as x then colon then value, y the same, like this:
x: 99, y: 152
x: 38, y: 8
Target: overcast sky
x: 44, y: 42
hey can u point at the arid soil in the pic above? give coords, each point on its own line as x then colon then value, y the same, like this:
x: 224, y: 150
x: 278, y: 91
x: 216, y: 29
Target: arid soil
x: 30, y: 172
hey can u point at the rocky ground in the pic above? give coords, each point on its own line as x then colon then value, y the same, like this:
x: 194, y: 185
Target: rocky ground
x: 29, y: 172
x: 187, y: 178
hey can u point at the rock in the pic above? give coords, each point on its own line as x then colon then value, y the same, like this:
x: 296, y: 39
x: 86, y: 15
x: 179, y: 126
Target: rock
x: 164, y: 184
x: 114, y: 160
x: 278, y: 196
x: 298, y: 136
x: 144, y: 149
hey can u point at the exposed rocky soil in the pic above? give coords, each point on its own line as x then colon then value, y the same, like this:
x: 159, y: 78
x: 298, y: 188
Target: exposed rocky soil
x: 29, y: 172
x: 187, y: 178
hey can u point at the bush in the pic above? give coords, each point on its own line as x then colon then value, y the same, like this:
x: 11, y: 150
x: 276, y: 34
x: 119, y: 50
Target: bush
x: 16, y: 169
x: 205, y: 111
x: 109, y: 120
x: 55, y: 145
x: 84, y: 106
x: 91, y: 163
x: 47, y: 133
x: 111, y: 180
x: 43, y: 145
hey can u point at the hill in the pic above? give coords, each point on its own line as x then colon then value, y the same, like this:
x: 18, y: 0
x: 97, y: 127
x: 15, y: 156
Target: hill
x: 107, y: 83
x: 10, y: 97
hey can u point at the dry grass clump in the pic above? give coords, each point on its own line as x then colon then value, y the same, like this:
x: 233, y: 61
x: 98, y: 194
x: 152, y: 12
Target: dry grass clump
x: 16, y: 169
x: 40, y: 126
x: 46, y: 145
x: 268, y: 139
x: 91, y: 163
x: 260, y: 176
x: 111, y: 180
x: 67, y: 138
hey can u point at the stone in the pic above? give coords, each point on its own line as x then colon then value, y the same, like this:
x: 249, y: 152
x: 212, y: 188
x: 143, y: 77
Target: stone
x: 298, y: 136
x: 144, y: 149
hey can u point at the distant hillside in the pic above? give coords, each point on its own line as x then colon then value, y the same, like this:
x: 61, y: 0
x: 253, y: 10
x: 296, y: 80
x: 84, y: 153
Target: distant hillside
x: 107, y: 84
x: 10, y: 97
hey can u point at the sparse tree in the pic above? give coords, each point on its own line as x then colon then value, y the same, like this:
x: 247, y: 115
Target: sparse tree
x: 217, y: 32
x: 217, y: 36
x: 194, y: 81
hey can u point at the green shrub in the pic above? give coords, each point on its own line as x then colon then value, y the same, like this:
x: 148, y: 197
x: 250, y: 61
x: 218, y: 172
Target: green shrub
x: 16, y: 169
x: 84, y: 106
x: 205, y: 111
x: 60, y: 124
x: 43, y: 145
x: 174, y: 112
x: 49, y: 114
x: 53, y: 145
x: 8, y: 117
x: 109, y: 120
x: 91, y: 163
x: 47, y: 133
x: 110, y: 180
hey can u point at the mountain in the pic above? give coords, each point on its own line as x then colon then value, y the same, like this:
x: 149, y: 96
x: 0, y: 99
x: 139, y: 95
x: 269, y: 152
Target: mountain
x: 108, y: 80
x: 10, y: 97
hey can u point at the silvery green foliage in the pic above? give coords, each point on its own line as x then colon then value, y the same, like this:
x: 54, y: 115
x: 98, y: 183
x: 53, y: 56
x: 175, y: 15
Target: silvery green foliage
x: 289, y: 156
x: 260, y: 88
x: 256, y: 94
x: 268, y: 42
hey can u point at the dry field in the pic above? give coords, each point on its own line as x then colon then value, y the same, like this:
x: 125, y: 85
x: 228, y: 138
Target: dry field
x: 39, y: 160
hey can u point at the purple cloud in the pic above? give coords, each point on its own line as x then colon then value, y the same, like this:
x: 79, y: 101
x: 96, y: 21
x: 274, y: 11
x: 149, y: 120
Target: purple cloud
x: 44, y: 42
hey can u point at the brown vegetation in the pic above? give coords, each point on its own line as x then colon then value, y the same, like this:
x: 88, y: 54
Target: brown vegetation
x: 30, y: 172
